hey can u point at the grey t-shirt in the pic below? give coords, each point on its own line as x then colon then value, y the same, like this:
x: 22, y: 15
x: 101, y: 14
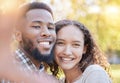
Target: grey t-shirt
x: 93, y: 74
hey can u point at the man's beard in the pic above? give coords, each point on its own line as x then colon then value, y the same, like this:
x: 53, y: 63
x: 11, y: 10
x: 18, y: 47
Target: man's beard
x: 42, y: 58
x: 28, y: 47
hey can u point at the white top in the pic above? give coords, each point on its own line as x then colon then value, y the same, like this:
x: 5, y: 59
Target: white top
x: 94, y: 74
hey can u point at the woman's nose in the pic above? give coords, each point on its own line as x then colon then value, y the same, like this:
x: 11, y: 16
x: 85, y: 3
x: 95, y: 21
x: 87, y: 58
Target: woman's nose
x: 67, y: 50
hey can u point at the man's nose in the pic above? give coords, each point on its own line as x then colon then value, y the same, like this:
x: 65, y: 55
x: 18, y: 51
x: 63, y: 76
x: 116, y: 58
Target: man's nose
x: 45, y: 32
x: 67, y: 51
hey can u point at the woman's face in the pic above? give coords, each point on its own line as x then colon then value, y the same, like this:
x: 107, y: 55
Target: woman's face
x: 69, y: 47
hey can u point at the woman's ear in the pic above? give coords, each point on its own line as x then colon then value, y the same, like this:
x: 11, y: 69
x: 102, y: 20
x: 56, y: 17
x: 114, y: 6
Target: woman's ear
x: 85, y: 49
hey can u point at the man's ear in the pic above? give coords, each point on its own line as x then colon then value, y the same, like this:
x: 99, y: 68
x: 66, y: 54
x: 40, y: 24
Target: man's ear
x: 18, y: 35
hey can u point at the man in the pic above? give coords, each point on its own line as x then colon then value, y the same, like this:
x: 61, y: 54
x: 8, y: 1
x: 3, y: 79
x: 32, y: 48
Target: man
x: 35, y: 34
x: 35, y: 31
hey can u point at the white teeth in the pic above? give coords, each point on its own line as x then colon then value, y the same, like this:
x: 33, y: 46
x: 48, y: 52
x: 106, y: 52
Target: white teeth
x: 66, y: 59
x: 44, y: 43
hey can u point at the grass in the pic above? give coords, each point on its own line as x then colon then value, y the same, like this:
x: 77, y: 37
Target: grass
x: 115, y: 70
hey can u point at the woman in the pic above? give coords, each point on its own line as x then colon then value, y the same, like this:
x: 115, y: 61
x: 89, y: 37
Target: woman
x: 78, y: 56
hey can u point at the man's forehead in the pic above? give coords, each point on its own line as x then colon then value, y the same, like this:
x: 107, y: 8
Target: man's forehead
x: 38, y: 12
x: 39, y: 15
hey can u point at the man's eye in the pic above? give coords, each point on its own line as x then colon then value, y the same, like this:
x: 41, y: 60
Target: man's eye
x: 36, y: 27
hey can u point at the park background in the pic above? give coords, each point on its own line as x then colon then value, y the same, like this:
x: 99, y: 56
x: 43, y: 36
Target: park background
x: 102, y: 17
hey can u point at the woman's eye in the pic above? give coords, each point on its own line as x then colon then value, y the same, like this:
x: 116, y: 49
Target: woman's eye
x: 51, y: 27
x: 76, y: 45
x: 59, y: 43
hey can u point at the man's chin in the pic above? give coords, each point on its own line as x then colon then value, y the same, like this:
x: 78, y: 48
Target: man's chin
x: 45, y: 56
x: 45, y: 53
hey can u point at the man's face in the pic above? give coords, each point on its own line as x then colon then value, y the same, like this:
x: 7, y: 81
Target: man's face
x: 39, y: 31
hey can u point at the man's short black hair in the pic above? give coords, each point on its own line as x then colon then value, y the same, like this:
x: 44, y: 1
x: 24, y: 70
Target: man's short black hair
x: 23, y: 9
x: 34, y: 5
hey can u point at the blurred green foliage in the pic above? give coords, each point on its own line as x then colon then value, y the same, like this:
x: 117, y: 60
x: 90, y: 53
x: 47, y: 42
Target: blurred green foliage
x: 116, y: 73
x: 103, y: 21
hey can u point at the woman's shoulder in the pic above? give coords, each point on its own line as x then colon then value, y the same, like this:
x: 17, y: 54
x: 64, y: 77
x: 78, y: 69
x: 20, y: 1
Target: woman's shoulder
x: 94, y: 70
x: 95, y: 73
x: 94, y: 67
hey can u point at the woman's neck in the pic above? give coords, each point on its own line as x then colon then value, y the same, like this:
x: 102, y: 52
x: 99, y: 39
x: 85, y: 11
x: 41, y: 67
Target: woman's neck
x: 72, y: 75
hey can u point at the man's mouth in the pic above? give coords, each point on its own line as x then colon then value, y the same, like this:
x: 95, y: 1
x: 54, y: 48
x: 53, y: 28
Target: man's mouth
x: 45, y: 44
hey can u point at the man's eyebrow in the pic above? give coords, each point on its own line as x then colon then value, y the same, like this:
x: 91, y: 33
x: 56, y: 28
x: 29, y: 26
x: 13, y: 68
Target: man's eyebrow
x: 49, y: 23
x: 36, y: 21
